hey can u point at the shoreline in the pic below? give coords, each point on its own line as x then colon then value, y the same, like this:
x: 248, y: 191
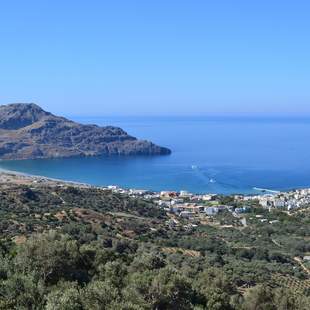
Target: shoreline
x: 22, y: 176
x: 290, y: 200
x: 33, y: 177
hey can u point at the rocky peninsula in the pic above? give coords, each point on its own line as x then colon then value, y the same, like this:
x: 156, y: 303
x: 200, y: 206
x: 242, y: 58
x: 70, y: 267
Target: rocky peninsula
x: 29, y: 132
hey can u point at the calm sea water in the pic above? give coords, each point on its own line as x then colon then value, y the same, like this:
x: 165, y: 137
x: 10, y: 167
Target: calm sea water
x: 216, y: 155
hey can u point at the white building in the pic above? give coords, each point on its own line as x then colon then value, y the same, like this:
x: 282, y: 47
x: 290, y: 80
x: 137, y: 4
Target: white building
x: 279, y: 203
x: 211, y: 211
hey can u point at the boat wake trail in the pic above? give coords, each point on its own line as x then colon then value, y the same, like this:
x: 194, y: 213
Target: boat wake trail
x: 266, y: 190
x: 203, y: 175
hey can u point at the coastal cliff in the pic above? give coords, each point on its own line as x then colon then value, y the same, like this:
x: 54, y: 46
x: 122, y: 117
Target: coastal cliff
x: 29, y: 132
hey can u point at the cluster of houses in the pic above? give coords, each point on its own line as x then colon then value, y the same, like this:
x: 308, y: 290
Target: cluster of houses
x: 183, y: 204
x: 188, y: 210
x: 187, y: 205
x: 288, y: 200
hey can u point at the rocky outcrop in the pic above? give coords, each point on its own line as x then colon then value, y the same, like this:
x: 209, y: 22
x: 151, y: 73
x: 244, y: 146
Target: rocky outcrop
x: 29, y: 132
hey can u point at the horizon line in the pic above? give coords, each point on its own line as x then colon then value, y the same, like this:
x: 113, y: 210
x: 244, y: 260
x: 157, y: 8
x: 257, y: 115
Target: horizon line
x: 262, y: 116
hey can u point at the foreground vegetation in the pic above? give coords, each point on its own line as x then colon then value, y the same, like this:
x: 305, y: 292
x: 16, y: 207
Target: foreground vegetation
x: 65, y: 247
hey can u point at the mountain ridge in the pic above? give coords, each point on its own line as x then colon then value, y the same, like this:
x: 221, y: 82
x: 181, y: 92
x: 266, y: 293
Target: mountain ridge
x: 29, y: 132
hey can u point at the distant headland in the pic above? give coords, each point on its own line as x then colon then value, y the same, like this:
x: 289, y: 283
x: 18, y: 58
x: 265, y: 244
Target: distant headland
x: 29, y: 132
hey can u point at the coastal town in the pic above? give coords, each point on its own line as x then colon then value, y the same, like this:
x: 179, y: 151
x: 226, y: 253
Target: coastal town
x: 189, y: 210
x: 189, y: 205
x: 185, y: 204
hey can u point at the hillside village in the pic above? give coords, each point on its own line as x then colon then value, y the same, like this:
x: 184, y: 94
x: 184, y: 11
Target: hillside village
x: 187, y: 205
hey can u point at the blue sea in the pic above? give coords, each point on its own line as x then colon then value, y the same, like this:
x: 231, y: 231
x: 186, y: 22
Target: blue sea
x: 209, y: 155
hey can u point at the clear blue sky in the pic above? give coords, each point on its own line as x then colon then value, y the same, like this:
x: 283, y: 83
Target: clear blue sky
x: 157, y: 57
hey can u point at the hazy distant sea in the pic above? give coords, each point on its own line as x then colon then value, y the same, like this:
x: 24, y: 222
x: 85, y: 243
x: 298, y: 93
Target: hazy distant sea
x: 216, y: 155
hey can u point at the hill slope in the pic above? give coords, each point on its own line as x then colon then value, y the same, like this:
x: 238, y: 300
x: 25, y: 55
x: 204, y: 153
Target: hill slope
x: 29, y: 132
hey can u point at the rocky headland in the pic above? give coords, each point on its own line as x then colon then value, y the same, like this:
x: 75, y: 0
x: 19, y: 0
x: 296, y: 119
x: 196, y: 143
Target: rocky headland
x: 29, y: 132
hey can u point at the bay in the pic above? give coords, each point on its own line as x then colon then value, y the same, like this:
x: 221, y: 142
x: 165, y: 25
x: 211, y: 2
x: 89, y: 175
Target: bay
x: 209, y: 155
